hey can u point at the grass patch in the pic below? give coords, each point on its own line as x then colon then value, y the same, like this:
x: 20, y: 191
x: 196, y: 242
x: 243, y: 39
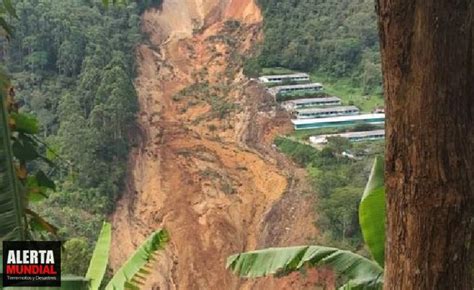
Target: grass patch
x: 349, y: 94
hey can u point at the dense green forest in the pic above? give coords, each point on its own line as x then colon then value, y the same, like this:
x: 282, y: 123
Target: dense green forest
x: 338, y: 183
x: 337, y: 38
x: 73, y: 66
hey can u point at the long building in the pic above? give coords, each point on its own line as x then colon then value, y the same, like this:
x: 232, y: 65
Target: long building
x: 352, y: 136
x: 340, y: 121
x: 314, y: 102
x: 297, y: 89
x: 326, y: 112
x: 274, y: 79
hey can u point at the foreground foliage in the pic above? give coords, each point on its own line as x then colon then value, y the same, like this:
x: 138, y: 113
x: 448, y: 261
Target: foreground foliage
x: 359, y: 272
x: 73, y: 71
x: 372, y: 213
x: 11, y: 206
x: 100, y: 257
x: 133, y: 271
x: 22, y: 179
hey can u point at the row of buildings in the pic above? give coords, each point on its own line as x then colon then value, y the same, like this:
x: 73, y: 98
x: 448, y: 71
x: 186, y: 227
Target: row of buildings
x: 351, y: 136
x: 298, y: 89
x: 310, y: 113
x: 277, y: 79
x: 320, y: 112
x: 311, y: 102
x: 339, y: 121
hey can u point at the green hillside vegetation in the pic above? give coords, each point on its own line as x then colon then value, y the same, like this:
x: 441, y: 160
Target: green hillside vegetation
x: 334, y: 38
x: 73, y: 68
x: 350, y: 92
x: 337, y: 43
x: 337, y: 182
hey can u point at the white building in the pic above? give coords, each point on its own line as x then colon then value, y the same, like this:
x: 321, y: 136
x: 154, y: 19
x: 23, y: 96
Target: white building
x: 311, y: 102
x: 275, y: 79
x: 339, y: 121
x: 326, y: 112
x: 296, y: 89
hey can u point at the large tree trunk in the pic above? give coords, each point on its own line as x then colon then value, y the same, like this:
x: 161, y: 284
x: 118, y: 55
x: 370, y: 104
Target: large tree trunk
x: 427, y: 56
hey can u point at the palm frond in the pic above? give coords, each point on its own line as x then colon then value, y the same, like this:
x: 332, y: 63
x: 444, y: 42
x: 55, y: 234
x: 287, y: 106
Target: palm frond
x: 132, y: 271
x: 359, y: 270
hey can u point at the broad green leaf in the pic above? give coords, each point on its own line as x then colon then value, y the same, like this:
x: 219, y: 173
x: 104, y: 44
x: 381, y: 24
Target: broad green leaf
x: 36, y: 196
x: 11, y: 207
x: 35, y: 192
x: 25, y: 123
x: 24, y: 150
x: 358, y: 269
x: 137, y: 262
x: 37, y: 186
x: 44, y: 180
x: 100, y: 257
x: 372, y: 212
x: 362, y: 285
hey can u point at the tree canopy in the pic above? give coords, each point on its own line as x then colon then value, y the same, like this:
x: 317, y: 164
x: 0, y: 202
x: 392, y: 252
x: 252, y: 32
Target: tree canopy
x: 334, y: 37
x: 72, y: 63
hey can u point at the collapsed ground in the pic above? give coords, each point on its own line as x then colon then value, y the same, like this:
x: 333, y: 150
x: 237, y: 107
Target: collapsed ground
x: 205, y: 168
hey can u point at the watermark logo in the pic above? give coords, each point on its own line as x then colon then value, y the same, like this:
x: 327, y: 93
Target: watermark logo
x: 28, y: 263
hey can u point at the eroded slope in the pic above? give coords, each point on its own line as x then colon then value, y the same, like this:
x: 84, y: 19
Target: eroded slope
x: 204, y: 169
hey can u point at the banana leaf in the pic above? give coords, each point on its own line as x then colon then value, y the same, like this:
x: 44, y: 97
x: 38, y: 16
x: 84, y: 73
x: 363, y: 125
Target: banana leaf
x: 126, y: 276
x: 100, y: 257
x: 361, y: 271
x: 11, y: 207
x: 372, y: 212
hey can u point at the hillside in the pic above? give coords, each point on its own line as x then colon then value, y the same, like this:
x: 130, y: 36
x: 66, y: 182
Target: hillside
x: 258, y: 135
x: 205, y: 168
x: 336, y: 39
x: 165, y: 133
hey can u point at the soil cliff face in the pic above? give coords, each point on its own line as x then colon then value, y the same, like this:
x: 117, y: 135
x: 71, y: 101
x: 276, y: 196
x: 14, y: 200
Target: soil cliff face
x: 204, y: 168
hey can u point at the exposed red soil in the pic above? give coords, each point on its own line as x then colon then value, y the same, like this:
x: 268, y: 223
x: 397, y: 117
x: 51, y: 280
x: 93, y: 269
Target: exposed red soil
x: 211, y: 178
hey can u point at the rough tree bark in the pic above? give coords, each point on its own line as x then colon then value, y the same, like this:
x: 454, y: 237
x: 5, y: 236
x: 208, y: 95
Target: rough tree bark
x: 427, y: 60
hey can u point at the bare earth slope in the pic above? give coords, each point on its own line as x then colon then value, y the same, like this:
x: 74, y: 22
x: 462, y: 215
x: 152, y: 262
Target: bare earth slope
x: 204, y: 168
